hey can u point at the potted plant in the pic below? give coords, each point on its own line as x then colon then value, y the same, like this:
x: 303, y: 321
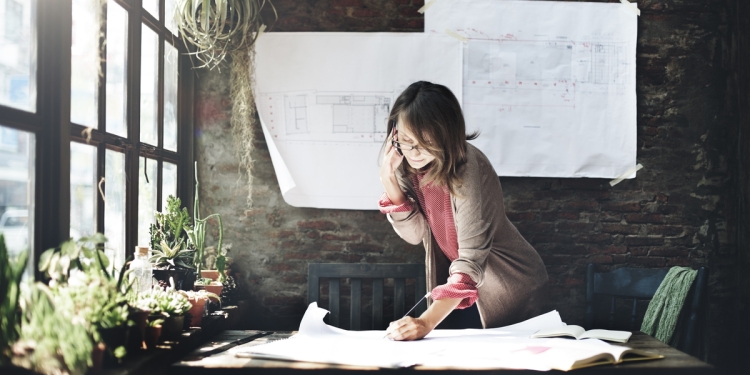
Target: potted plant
x: 172, y: 256
x: 153, y: 332
x: 198, y: 300
x: 168, y: 305
x: 11, y: 272
x: 49, y: 342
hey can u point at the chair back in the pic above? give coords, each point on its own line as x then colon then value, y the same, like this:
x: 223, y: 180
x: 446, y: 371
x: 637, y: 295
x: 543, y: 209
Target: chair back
x: 640, y: 284
x: 376, y: 273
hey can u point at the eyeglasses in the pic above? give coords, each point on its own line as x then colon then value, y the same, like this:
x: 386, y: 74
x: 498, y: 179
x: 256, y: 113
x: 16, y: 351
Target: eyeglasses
x: 404, y: 147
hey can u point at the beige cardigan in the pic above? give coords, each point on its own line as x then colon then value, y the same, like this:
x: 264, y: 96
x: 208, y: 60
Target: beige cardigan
x: 510, y: 275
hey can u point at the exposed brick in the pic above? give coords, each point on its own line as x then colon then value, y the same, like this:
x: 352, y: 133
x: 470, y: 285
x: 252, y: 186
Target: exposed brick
x: 552, y: 238
x: 554, y: 216
x: 644, y: 218
x: 294, y: 279
x: 649, y: 261
x: 313, y: 234
x: 277, y: 267
x: 661, y: 198
x: 668, y: 252
x: 619, y: 229
x: 614, y: 249
x: 347, y: 3
x: 593, y: 238
x: 366, y: 13
x: 601, y: 259
x: 639, y: 250
x: 341, y: 237
x: 556, y: 259
x: 571, y: 249
x: 643, y: 241
x: 666, y: 230
x: 409, y: 12
x: 535, y: 227
x: 316, y: 224
x: 622, y: 207
x: 365, y: 248
x: 297, y: 255
x: 521, y: 216
x: 573, y: 281
x: 521, y: 205
x: 580, y: 205
x: 573, y: 227
x: 281, y: 233
x: 681, y: 262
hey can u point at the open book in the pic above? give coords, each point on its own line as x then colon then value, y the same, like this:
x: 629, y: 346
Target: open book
x: 570, y: 357
x: 578, y: 333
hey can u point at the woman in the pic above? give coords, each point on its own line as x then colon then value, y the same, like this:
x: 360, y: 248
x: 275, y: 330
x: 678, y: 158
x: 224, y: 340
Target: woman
x: 448, y: 196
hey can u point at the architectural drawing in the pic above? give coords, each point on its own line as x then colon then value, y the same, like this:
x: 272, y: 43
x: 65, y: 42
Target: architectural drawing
x: 324, y: 101
x: 550, y: 85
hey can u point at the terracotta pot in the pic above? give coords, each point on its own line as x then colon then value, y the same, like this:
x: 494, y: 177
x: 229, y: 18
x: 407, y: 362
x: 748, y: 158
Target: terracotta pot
x: 171, y: 329
x: 196, y: 312
x: 152, y: 336
x: 215, y: 288
x: 140, y: 318
x: 210, y: 274
x: 97, y: 358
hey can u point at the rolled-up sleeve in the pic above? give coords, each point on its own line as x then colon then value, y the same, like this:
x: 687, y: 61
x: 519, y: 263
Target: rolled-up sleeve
x: 387, y: 206
x: 459, y: 286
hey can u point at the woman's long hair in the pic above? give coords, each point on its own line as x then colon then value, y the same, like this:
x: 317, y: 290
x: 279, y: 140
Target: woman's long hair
x: 433, y: 115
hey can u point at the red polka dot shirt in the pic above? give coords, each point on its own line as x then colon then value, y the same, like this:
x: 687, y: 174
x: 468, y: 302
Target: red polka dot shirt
x: 435, y: 202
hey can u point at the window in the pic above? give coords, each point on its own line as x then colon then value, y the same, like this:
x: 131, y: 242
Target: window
x: 124, y: 146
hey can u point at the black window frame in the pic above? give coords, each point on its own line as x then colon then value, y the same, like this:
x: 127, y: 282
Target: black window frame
x: 54, y: 131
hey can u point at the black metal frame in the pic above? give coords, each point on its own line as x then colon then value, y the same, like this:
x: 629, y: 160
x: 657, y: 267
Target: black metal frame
x: 54, y: 132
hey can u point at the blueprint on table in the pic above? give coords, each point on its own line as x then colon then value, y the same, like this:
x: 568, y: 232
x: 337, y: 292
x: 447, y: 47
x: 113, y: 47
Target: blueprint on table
x: 496, y: 348
x: 323, y: 101
x: 550, y: 85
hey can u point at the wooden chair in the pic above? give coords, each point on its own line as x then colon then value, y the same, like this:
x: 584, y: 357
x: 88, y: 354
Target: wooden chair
x: 640, y: 284
x: 358, y: 271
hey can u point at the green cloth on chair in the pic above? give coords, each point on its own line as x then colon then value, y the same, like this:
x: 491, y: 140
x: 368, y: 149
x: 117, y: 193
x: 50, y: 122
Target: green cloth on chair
x: 664, y: 309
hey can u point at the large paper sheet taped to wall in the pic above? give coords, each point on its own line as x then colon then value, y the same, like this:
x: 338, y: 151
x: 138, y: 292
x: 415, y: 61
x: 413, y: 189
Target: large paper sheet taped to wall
x: 550, y: 85
x: 324, y: 99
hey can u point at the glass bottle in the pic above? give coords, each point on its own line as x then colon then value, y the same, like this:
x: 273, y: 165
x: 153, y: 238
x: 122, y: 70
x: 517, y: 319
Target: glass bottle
x: 141, y: 268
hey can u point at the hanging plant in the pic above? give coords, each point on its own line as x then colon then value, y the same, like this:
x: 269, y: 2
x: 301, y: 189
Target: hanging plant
x: 216, y: 29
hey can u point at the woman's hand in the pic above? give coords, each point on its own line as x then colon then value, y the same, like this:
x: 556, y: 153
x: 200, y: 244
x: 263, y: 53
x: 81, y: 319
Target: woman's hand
x: 391, y: 161
x: 408, y: 329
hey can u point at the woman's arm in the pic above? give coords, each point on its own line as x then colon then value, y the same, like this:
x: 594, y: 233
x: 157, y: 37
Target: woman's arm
x: 408, y: 328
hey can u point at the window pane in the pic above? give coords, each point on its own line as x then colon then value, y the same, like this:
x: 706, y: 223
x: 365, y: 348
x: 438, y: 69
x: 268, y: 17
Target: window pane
x: 82, y: 193
x: 170, y: 97
x: 17, y: 60
x: 149, y: 85
x: 17, y: 190
x: 117, y: 31
x: 114, y: 207
x: 85, y: 63
x: 152, y: 6
x: 146, y: 198
x: 169, y: 16
x: 168, y: 182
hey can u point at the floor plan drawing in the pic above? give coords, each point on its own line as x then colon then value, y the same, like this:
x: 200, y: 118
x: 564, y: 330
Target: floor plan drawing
x: 359, y: 117
x: 324, y: 101
x: 549, y: 85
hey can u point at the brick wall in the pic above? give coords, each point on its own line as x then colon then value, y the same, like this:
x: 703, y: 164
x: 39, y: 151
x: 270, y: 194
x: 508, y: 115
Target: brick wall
x: 681, y: 209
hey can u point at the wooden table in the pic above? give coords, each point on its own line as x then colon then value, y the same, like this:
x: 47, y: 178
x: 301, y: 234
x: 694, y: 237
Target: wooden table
x: 224, y: 362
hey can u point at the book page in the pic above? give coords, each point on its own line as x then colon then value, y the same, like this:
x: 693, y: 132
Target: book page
x: 605, y: 334
x: 570, y: 330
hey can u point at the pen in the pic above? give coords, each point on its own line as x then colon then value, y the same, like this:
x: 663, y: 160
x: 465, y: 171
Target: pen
x: 412, y: 309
